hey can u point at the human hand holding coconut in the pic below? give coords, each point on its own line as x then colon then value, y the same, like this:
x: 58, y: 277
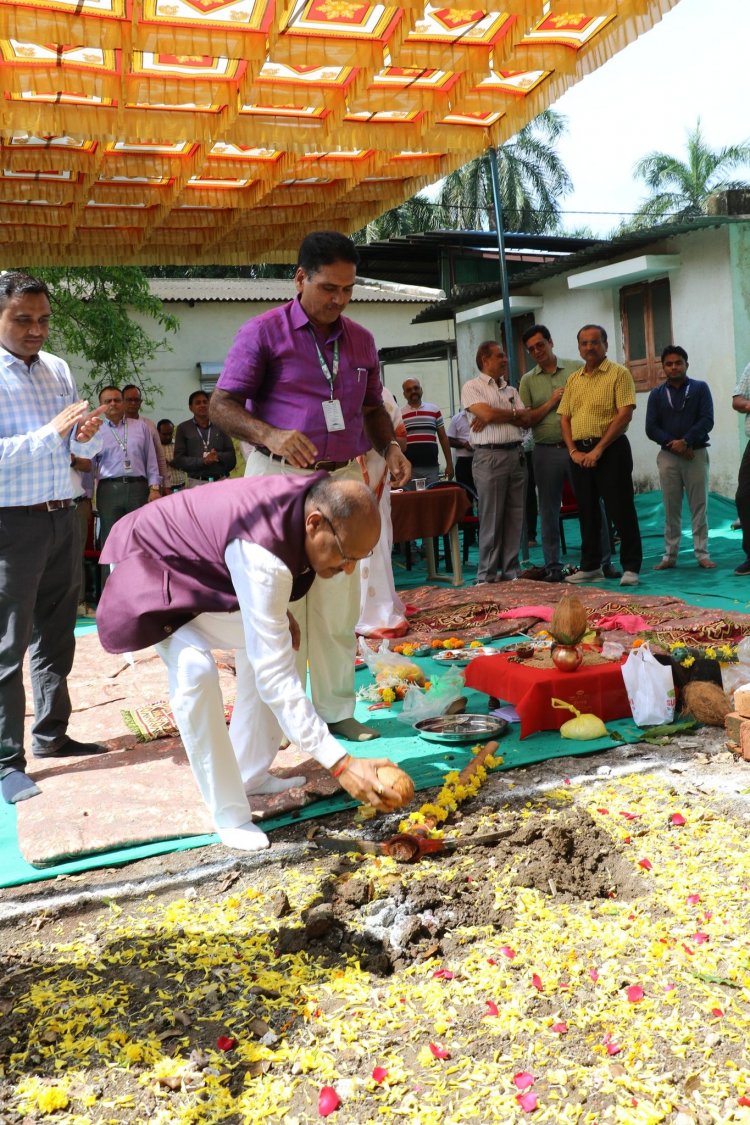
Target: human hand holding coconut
x: 374, y: 781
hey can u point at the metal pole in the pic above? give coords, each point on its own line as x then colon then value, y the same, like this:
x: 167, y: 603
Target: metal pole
x: 498, y: 208
x: 450, y: 382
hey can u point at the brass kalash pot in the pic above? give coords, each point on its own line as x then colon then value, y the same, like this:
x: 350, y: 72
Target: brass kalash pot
x: 568, y: 626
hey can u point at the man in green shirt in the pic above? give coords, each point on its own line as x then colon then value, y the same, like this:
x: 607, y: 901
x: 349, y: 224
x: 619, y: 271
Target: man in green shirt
x: 541, y: 390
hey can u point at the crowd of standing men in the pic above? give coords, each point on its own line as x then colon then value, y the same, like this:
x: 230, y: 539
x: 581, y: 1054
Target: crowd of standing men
x: 578, y: 415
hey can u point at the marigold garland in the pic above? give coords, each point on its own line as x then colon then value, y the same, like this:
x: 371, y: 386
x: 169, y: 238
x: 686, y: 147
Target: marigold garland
x: 453, y: 793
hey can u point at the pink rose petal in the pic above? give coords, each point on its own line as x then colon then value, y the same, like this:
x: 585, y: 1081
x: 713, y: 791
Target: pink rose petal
x: 635, y: 994
x: 700, y: 938
x: 443, y: 974
x: 743, y: 1100
x: 379, y: 1074
x: 693, y: 900
x: 613, y: 1048
x: 630, y: 815
x: 439, y: 1052
x: 528, y: 1102
x: 492, y: 1009
x: 560, y: 1028
x: 646, y: 864
x: 226, y: 1043
x: 604, y: 812
x: 328, y: 1101
x: 523, y: 1080
x: 536, y: 980
x: 508, y: 952
x: 678, y: 819
x: 594, y: 975
x: 718, y: 1013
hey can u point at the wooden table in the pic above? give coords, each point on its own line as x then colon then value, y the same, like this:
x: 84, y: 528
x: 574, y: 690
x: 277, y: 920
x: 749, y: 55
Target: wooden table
x: 425, y: 514
x: 598, y: 689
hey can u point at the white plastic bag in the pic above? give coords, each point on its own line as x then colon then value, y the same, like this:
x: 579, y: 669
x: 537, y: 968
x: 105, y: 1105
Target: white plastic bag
x: 650, y: 688
x: 420, y: 704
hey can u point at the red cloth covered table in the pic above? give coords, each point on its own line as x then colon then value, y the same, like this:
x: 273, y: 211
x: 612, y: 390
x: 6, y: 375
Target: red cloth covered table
x: 598, y: 689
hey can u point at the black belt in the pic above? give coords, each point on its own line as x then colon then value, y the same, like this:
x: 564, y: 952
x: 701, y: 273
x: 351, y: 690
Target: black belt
x: 551, y: 445
x: 122, y: 480
x: 204, y: 480
x: 586, y: 443
x: 319, y: 466
x: 499, y: 445
x: 45, y: 506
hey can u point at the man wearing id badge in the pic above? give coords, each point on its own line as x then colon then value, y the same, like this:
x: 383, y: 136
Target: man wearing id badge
x: 302, y: 384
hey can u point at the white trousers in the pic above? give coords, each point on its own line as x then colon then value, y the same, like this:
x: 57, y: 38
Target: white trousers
x: 380, y: 607
x: 224, y: 762
x: 326, y: 616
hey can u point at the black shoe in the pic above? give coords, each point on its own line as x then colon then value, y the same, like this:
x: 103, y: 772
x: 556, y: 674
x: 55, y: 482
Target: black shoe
x: 72, y: 749
x: 611, y: 572
x: 743, y: 568
x: 554, y: 574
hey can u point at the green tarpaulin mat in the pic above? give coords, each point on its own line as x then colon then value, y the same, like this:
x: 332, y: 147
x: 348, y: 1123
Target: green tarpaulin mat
x: 717, y: 589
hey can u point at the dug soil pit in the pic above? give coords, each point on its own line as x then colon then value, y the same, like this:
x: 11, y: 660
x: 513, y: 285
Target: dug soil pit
x: 430, y: 909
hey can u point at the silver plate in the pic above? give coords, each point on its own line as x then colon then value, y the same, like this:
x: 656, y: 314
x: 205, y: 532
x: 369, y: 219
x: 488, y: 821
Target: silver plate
x: 461, y: 728
x: 463, y: 656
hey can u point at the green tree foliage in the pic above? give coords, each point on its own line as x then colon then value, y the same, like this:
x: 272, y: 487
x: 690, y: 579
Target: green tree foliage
x: 680, y: 188
x: 92, y: 323
x: 533, y: 180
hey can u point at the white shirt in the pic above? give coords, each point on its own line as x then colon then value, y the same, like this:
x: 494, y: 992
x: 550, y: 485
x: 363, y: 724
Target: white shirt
x: 264, y: 585
x: 500, y: 396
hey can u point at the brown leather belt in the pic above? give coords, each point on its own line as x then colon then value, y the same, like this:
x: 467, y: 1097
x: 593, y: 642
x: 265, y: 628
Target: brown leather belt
x: 45, y: 506
x: 319, y: 466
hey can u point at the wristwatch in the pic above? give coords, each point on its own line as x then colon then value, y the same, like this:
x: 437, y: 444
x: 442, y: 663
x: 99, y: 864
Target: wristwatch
x: 385, y: 448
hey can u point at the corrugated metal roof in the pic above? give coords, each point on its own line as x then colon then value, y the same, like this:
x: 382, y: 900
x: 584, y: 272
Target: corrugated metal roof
x: 599, y: 252
x: 265, y: 289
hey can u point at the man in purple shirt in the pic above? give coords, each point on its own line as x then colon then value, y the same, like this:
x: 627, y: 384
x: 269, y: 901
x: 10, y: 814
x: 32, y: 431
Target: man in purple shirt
x: 302, y: 384
x: 127, y: 472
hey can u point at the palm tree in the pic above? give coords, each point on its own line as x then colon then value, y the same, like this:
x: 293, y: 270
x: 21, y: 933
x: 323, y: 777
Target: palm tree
x: 532, y: 177
x: 532, y: 181
x: 680, y: 188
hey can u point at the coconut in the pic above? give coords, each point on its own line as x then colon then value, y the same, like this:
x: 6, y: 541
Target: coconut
x: 569, y: 621
x: 397, y: 780
x: 706, y: 702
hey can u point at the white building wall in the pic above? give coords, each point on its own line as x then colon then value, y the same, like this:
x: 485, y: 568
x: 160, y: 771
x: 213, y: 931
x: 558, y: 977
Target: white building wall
x: 702, y: 322
x: 207, y: 329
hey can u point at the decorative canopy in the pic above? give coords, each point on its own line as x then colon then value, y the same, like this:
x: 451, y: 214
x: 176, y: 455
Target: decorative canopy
x: 222, y: 131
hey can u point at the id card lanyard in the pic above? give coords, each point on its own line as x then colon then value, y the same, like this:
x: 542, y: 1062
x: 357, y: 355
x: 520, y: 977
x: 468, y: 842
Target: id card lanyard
x: 332, y: 411
x: 206, y: 441
x: 123, y: 444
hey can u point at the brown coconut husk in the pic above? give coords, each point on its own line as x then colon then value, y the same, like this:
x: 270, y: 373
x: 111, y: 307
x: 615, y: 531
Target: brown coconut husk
x: 706, y: 702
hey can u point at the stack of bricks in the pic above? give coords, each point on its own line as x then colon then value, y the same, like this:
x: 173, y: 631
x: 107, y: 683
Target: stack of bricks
x: 737, y: 724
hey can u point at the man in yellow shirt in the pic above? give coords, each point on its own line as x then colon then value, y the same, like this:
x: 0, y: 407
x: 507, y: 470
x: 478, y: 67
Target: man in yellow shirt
x: 595, y: 411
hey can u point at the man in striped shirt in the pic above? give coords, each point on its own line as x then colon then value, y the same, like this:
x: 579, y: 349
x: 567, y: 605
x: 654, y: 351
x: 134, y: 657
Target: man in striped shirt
x: 497, y: 417
x: 424, y: 429
x: 595, y: 411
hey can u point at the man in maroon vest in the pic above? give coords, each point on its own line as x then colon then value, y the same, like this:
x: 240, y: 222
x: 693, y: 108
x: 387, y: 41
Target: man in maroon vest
x: 216, y: 568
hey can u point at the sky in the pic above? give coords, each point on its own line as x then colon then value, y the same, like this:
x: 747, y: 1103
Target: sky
x: 692, y: 64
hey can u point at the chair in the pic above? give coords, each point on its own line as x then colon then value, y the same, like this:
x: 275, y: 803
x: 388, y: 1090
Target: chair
x: 91, y: 565
x: 469, y: 525
x: 568, y: 511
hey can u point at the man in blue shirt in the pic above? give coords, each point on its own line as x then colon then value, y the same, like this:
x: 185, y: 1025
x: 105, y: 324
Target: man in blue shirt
x: 679, y: 418
x: 45, y: 430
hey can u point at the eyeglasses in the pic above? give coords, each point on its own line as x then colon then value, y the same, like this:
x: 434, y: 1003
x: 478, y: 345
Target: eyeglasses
x: 344, y: 557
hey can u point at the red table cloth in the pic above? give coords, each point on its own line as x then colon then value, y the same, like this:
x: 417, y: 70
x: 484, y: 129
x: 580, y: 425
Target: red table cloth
x: 598, y: 689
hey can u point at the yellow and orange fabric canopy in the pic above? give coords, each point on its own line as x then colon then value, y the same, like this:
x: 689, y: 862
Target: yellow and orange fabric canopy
x: 222, y: 131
